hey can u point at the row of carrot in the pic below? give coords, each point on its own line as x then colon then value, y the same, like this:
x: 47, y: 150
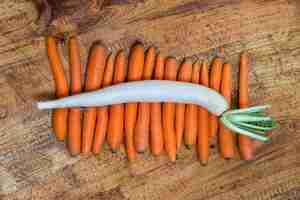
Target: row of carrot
x: 162, y: 126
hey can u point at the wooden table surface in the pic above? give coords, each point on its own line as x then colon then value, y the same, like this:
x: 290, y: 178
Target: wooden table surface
x: 33, y: 165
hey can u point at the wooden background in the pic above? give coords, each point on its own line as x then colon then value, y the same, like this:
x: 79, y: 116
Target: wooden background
x: 35, y: 166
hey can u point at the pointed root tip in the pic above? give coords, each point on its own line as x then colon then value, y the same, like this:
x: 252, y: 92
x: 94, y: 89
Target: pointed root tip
x: 131, y: 159
x: 99, y: 43
x: 248, y: 157
x: 74, y: 154
x: 39, y: 105
x: 247, y: 160
x: 43, y: 105
x: 203, y: 162
x: 173, y: 158
x: 141, y: 151
x: 156, y: 153
x: 96, y: 152
x: 137, y: 44
x: 114, y: 151
x: 85, y: 152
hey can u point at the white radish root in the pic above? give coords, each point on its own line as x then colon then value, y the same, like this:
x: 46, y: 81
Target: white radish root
x: 145, y: 91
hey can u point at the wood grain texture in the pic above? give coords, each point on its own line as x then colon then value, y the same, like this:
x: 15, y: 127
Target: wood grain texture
x: 35, y: 166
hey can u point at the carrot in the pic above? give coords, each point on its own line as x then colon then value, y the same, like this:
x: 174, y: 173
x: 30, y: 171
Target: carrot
x: 215, y: 83
x: 135, y: 72
x: 191, y: 114
x: 184, y: 74
x: 169, y: 112
x: 156, y: 131
x: 203, y: 122
x: 94, y: 77
x: 115, y: 132
x: 59, y: 116
x: 74, y: 123
x: 226, y: 137
x: 141, y: 134
x: 245, y: 143
x: 102, y: 112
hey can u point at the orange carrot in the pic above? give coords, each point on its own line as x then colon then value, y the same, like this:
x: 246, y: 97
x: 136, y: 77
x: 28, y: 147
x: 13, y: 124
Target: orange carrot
x: 115, y: 132
x: 245, y: 143
x: 226, y: 137
x: 102, y: 112
x: 141, y: 134
x: 215, y: 83
x: 74, y: 123
x: 59, y: 116
x: 135, y: 72
x: 94, y: 77
x: 156, y: 131
x: 169, y: 112
x: 203, y: 125
x: 191, y: 114
x: 184, y: 74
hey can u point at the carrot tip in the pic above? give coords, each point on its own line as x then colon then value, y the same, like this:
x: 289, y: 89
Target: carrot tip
x: 203, y: 162
x: 189, y: 146
x: 96, y: 153
x: 137, y: 43
x: 74, y: 154
x: 247, y: 158
x: 114, y: 151
x: 187, y: 61
x: 177, y: 157
x: 85, y: 153
x: 99, y: 43
x: 221, y: 50
x: 141, y: 151
x: 71, y: 36
x: 131, y: 159
x: 61, y: 138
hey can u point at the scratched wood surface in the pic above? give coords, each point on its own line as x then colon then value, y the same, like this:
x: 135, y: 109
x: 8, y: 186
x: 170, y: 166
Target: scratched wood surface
x: 35, y: 166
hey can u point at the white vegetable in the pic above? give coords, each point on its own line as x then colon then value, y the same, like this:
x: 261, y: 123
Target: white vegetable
x: 251, y: 122
x: 145, y: 91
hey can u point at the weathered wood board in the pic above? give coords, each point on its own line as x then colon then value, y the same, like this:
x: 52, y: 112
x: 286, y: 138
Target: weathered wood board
x: 35, y: 166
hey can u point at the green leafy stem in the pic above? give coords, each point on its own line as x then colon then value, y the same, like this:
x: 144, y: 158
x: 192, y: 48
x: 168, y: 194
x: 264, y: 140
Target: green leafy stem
x: 252, y: 122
